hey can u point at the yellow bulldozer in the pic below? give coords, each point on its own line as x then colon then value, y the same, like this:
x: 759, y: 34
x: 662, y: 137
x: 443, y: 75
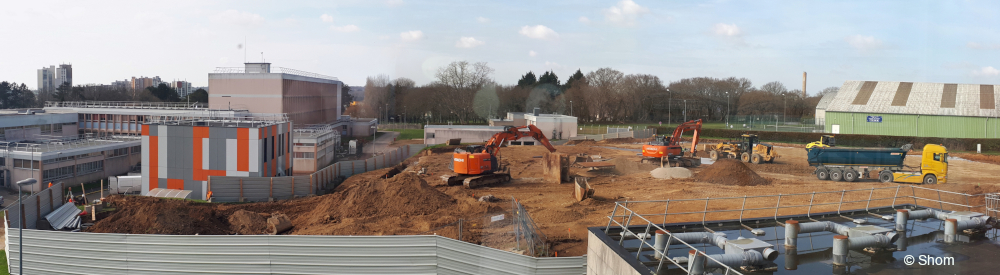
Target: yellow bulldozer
x: 747, y: 149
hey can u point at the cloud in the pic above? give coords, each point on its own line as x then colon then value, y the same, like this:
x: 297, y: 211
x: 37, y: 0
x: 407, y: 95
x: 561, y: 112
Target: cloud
x: 411, y: 35
x: 625, y: 13
x: 326, y: 18
x: 977, y: 46
x: 538, y: 32
x: 348, y: 28
x: 483, y: 20
x: 394, y: 3
x: 986, y: 71
x: 584, y: 19
x: 862, y: 42
x: 468, y: 42
x: 726, y: 30
x: 532, y: 53
x: 554, y: 65
x: 240, y: 18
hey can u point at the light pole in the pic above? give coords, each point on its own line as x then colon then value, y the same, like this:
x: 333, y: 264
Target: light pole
x: 685, y: 110
x: 669, y: 102
x: 570, y: 108
x: 727, y: 109
x: 20, y: 224
x: 374, y: 131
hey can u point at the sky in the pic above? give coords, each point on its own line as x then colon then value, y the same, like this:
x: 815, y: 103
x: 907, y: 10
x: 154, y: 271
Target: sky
x: 764, y: 41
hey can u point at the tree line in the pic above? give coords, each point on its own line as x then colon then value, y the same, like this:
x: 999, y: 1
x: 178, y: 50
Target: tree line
x: 465, y: 92
x: 14, y: 95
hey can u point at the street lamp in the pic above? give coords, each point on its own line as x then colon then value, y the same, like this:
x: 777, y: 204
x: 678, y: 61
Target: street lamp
x: 374, y: 131
x: 570, y: 108
x: 669, y: 102
x: 685, y: 110
x: 20, y: 224
x: 727, y: 109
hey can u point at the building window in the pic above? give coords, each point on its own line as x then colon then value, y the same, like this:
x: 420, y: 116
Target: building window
x: 58, y: 173
x: 58, y: 160
x: 89, y: 167
x: 118, y: 152
x: 26, y: 164
x: 305, y: 155
x: 136, y: 150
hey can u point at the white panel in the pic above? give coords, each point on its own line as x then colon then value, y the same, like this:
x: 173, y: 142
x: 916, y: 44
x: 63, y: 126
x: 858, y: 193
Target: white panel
x: 254, y: 133
x: 254, y: 152
x: 231, y: 154
x: 162, y: 151
x: 204, y: 153
x: 233, y: 173
x: 204, y: 190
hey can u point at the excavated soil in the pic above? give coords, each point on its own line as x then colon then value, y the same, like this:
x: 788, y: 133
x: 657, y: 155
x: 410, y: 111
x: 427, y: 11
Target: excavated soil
x: 417, y: 204
x: 730, y: 172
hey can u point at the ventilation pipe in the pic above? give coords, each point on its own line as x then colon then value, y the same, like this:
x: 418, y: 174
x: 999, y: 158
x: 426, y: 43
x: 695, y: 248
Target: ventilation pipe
x: 964, y: 220
x: 842, y: 244
x: 793, y: 228
x: 660, y: 241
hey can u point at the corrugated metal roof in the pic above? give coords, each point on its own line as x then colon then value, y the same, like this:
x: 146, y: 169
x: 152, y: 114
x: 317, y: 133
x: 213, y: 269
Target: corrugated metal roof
x: 63, y: 216
x: 890, y: 97
x: 169, y: 193
x: 825, y: 101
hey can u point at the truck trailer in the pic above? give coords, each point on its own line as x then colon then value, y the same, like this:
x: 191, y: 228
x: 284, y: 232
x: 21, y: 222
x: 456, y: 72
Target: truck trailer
x: 851, y: 164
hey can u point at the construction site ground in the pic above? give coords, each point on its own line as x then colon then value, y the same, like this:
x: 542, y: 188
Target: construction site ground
x: 409, y: 203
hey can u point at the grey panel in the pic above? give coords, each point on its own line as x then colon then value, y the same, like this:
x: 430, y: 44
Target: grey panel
x: 194, y: 186
x: 902, y: 94
x: 161, y: 183
x: 949, y: 95
x: 217, y: 149
x: 222, y: 132
x: 153, y: 131
x: 865, y: 93
x: 181, y: 131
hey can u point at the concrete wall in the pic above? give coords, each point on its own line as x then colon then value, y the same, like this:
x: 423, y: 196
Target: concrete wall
x: 306, y: 100
x: 564, y: 127
x: 602, y: 259
x: 259, y: 93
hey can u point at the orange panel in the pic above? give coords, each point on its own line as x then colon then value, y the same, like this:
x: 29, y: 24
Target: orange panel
x: 196, y: 172
x: 145, y: 130
x: 177, y: 184
x: 200, y: 132
x: 154, y: 158
x: 242, y: 149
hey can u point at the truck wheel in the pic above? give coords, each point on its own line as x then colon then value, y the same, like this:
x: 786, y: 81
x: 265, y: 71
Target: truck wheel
x: 885, y: 176
x: 755, y: 159
x: 836, y: 175
x: 745, y: 157
x: 822, y: 173
x: 850, y: 175
x: 930, y: 179
x: 730, y: 155
x: 714, y: 155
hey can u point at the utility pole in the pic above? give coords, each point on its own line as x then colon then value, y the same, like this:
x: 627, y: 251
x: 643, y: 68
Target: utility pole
x: 670, y: 102
x: 570, y: 108
x: 685, y: 110
x: 727, y: 109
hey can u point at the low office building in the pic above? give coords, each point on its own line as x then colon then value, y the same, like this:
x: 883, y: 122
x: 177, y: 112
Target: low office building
x: 314, y: 148
x: 30, y: 124
x: 355, y: 127
x: 181, y: 152
x: 438, y: 134
x: 553, y: 125
x: 71, y: 161
x: 307, y: 98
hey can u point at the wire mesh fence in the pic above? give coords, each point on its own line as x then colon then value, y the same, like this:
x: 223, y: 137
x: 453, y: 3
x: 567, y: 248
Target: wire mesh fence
x: 504, y: 226
x: 776, y: 123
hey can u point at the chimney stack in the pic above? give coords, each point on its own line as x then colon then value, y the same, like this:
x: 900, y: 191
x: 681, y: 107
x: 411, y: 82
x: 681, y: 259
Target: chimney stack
x: 803, y: 84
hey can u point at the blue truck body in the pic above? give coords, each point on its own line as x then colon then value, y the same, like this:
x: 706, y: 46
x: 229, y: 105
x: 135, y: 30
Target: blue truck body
x: 836, y: 156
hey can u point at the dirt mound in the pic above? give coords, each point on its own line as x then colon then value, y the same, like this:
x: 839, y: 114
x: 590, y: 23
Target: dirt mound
x: 148, y: 215
x: 581, y: 142
x: 248, y: 223
x: 730, y: 172
x: 978, y: 157
x: 671, y: 173
x: 404, y: 194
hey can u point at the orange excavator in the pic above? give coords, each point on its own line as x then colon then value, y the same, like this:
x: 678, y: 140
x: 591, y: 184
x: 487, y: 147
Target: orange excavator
x: 479, y: 165
x: 668, y: 149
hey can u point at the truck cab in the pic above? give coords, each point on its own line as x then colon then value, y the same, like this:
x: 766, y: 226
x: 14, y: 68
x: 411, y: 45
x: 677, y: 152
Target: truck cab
x: 933, y: 167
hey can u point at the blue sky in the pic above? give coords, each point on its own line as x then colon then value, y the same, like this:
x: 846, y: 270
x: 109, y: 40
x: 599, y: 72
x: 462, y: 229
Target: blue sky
x: 834, y: 41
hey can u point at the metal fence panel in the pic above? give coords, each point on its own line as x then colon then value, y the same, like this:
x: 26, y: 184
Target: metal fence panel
x: 282, y: 188
x: 62, y: 252
x: 302, y: 185
x: 256, y: 189
x: 225, y: 189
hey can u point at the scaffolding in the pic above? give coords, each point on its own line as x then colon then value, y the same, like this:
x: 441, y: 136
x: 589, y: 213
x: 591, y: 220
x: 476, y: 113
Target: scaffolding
x: 633, y: 214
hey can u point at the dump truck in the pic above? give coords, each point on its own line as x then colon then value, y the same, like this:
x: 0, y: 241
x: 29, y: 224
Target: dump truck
x: 852, y: 164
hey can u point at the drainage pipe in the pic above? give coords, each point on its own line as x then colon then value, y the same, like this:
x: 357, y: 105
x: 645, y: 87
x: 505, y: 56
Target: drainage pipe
x: 950, y: 230
x: 840, y: 249
x: 696, y: 263
x: 877, y: 240
x: 902, y: 215
x: 794, y: 228
x: 747, y: 258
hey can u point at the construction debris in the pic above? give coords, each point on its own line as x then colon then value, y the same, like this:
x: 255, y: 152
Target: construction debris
x: 278, y: 223
x: 488, y: 198
x: 582, y: 189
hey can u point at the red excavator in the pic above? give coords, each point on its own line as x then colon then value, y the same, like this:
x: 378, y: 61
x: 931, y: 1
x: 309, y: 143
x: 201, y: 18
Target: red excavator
x: 668, y: 149
x: 479, y: 165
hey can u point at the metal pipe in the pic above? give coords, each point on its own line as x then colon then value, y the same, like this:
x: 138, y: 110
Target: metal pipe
x: 811, y: 227
x: 866, y: 241
x: 791, y: 259
x: 791, y: 233
x: 840, y: 249
x: 747, y: 258
x: 950, y: 230
x: 696, y: 262
x: 659, y: 243
x: 902, y: 215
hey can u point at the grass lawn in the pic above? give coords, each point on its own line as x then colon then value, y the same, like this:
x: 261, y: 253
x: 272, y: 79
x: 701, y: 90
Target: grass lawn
x: 409, y: 133
x: 3, y: 259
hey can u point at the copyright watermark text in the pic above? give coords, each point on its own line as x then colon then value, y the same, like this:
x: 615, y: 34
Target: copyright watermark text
x: 928, y: 260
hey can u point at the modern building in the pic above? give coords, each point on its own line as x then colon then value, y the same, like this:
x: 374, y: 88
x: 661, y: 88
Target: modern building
x: 183, y: 87
x: 314, y: 148
x: 914, y: 109
x: 307, y: 98
x: 64, y: 75
x: 554, y: 126
x: 181, y: 152
x: 117, y: 117
x: 821, y: 107
x: 142, y: 82
x: 49, y: 79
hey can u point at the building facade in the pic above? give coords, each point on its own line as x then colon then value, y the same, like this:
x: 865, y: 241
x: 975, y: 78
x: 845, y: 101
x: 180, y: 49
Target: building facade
x: 914, y: 109
x: 47, y: 79
x: 553, y: 125
x: 314, y: 148
x: 181, y: 153
x: 142, y: 82
x: 109, y: 118
x: 307, y: 98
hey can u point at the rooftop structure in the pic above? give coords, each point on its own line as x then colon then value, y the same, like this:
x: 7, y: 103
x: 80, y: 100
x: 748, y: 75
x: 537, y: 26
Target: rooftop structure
x: 314, y: 147
x: 307, y: 98
x: 127, y: 105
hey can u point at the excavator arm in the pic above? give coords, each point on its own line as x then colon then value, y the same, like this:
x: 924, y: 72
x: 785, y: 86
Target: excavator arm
x: 694, y: 125
x: 515, y: 133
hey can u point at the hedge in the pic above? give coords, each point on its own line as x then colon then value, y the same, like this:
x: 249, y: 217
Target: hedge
x: 953, y: 144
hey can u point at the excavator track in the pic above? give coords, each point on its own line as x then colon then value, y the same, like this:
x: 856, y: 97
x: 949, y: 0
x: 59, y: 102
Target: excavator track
x: 476, y: 181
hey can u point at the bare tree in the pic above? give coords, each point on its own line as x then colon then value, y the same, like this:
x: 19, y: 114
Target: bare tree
x: 463, y: 75
x: 774, y: 88
x: 828, y: 90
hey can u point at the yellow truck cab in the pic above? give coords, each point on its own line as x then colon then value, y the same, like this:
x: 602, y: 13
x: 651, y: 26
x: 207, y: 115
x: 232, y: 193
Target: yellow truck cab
x: 933, y: 167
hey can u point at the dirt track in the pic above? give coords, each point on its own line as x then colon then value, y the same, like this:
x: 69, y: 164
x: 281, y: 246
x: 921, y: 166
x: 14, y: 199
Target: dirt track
x: 412, y: 204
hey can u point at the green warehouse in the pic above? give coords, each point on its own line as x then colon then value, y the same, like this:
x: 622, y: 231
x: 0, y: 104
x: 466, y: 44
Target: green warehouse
x: 914, y: 109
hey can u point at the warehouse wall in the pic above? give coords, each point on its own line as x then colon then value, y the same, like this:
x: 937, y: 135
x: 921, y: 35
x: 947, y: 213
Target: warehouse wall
x: 914, y: 125
x: 60, y: 252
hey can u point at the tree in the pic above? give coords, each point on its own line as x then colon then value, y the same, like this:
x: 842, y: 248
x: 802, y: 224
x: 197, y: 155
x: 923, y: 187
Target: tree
x: 828, y: 90
x: 164, y: 93
x: 774, y: 88
x: 575, y: 77
x: 199, y: 95
x: 345, y: 96
x: 527, y: 79
x: 550, y: 78
x: 14, y: 96
x: 463, y: 75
